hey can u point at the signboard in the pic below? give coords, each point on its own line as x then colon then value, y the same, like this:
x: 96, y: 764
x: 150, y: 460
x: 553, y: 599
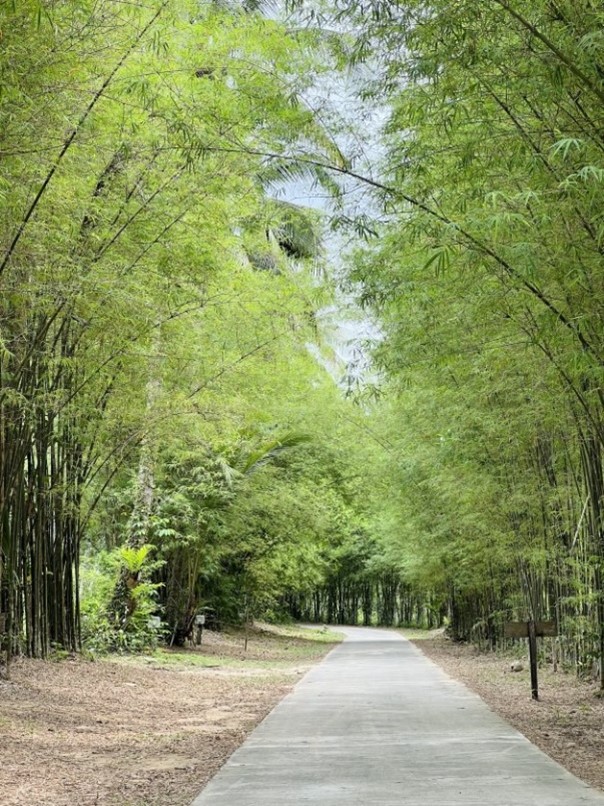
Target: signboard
x: 531, y: 630
x: 520, y: 629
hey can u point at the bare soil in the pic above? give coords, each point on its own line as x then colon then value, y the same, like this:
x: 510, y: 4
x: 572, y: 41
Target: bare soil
x: 567, y: 722
x: 140, y: 731
x: 151, y: 731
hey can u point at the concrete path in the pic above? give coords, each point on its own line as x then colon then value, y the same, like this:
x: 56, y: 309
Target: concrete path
x: 376, y: 724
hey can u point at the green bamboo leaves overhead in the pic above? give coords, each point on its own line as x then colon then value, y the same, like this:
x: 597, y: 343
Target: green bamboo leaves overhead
x: 159, y: 313
x: 129, y: 174
x: 488, y: 281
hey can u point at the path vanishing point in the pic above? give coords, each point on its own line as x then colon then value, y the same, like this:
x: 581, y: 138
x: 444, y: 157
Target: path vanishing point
x: 377, y: 724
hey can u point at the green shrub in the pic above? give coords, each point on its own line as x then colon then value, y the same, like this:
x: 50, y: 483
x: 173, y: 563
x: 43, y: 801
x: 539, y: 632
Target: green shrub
x: 98, y: 580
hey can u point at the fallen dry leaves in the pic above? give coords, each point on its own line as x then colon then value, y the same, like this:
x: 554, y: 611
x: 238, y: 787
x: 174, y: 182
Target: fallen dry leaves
x: 78, y: 733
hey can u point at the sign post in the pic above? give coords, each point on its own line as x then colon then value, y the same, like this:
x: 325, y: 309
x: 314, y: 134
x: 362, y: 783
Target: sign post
x: 532, y: 640
x: 199, y: 622
x: 531, y: 630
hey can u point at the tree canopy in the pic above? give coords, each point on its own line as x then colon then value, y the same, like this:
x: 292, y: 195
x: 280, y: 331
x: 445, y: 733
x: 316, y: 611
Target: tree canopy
x: 173, y: 433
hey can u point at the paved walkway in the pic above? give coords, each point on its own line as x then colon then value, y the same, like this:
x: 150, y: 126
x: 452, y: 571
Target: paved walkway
x: 376, y: 724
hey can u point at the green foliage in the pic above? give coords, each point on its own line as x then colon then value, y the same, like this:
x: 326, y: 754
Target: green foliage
x: 134, y: 560
x: 487, y: 282
x: 127, y: 309
x: 159, y: 395
x: 99, y: 576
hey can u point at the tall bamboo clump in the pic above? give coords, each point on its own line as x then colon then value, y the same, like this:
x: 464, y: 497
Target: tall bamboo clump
x: 488, y: 282
x: 48, y: 252
x: 40, y: 485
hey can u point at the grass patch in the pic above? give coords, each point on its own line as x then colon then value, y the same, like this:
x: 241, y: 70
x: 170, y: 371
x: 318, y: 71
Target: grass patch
x: 270, y: 648
x: 415, y: 634
x: 322, y: 635
x: 188, y: 657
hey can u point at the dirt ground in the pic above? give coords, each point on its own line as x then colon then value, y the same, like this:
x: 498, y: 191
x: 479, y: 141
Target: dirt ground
x: 151, y: 731
x: 567, y: 722
x: 140, y: 731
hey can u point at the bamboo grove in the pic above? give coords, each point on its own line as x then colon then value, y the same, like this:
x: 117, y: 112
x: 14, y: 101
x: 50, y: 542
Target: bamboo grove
x: 143, y: 270
x: 487, y: 278
x: 170, y: 435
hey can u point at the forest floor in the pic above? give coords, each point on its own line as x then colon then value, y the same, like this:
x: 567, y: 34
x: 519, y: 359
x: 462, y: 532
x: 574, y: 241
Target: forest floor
x: 152, y: 730
x: 142, y: 731
x: 567, y: 722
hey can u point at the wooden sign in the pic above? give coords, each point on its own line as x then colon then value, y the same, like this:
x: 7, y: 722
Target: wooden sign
x: 531, y: 630
x: 520, y: 629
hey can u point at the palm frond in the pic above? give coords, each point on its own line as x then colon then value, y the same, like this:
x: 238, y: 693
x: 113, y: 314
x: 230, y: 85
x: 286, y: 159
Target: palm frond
x: 262, y: 454
x: 264, y: 261
x: 297, y: 230
x: 278, y: 170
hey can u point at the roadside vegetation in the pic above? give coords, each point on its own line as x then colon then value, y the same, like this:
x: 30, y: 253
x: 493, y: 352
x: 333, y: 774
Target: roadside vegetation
x: 180, y: 435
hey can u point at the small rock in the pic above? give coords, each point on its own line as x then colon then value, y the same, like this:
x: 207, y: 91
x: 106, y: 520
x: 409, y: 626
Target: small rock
x: 516, y: 667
